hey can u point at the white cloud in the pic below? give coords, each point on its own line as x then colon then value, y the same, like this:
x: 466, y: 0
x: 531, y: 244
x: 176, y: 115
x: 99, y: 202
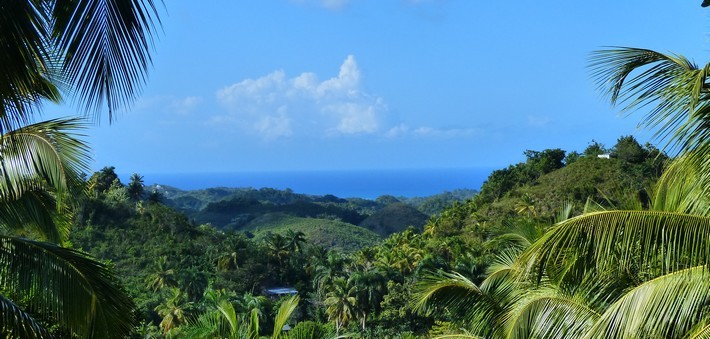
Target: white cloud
x: 169, y: 104
x: 402, y: 130
x: 274, y: 126
x: 260, y: 91
x: 354, y: 118
x: 276, y: 106
x: 184, y: 106
x: 328, y: 4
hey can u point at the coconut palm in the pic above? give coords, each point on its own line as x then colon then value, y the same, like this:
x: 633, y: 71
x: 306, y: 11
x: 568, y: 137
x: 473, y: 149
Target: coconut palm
x: 296, y: 239
x: 163, y: 275
x: 649, y: 267
x: 341, y: 303
x: 678, y: 93
x: 40, y: 168
x: 136, y: 187
x: 173, y: 310
x: 96, y: 50
x: 369, y: 289
x: 223, y: 321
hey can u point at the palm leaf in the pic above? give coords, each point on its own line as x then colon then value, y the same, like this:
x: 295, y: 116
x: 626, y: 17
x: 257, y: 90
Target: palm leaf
x: 285, y: 311
x: 620, y: 241
x: 479, y: 310
x: 16, y: 323
x: 47, y: 154
x: 207, y: 325
x: 105, y: 46
x: 674, y: 87
x: 35, y: 215
x: 665, y: 307
x: 312, y: 330
x: 35, y: 159
x: 229, y: 314
x: 25, y: 63
x: 701, y: 332
x: 683, y: 188
x: 66, y: 285
x: 545, y: 316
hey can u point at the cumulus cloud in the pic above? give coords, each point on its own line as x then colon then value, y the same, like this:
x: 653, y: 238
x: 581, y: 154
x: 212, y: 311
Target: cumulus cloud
x: 278, y: 106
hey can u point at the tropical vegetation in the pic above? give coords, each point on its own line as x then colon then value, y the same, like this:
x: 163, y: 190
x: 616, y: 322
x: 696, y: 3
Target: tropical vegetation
x: 626, y: 272
x: 98, y: 52
x: 182, y: 273
x: 606, y: 242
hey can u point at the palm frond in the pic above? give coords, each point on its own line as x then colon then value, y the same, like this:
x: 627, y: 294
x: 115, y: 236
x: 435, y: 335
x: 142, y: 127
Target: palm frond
x: 565, y: 212
x: 221, y: 322
x: 25, y: 64
x: 590, y: 205
x: 16, y: 323
x: 479, y: 311
x: 284, y: 314
x: 48, y: 154
x: 700, y: 332
x: 504, y: 261
x: 66, y: 285
x: 672, y: 85
x: 229, y: 314
x: 207, y: 325
x: 312, y: 330
x: 619, y: 241
x: 37, y: 159
x: 35, y: 215
x: 105, y: 46
x: 666, y: 307
x: 545, y: 316
x: 683, y: 188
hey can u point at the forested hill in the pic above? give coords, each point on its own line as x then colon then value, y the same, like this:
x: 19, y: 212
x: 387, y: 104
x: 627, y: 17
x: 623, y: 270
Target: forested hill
x: 234, y: 244
x: 247, y: 209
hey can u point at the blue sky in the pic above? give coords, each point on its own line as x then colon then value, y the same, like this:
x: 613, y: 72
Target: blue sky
x: 381, y: 84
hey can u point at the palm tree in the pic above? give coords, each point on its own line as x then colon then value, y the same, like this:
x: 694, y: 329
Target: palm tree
x: 174, y: 310
x: 370, y: 287
x: 278, y: 246
x: 163, y: 276
x: 296, y: 239
x: 330, y: 269
x: 40, y: 167
x: 526, y: 206
x: 341, y: 303
x: 98, y: 50
x: 637, y: 273
x: 135, y: 187
x: 679, y: 93
x: 223, y: 321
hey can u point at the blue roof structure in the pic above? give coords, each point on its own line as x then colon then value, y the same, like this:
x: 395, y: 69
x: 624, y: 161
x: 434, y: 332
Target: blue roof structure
x: 282, y: 291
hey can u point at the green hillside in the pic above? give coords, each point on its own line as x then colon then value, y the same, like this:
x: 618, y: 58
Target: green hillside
x: 330, y: 234
x: 394, y: 218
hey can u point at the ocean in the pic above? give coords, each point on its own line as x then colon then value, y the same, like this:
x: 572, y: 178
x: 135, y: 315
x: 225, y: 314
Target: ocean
x: 368, y: 184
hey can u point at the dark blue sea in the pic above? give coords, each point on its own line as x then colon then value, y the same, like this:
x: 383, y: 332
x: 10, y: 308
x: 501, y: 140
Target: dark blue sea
x: 368, y: 184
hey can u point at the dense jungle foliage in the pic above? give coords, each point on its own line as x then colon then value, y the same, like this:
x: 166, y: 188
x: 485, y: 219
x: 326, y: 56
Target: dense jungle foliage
x: 179, y: 270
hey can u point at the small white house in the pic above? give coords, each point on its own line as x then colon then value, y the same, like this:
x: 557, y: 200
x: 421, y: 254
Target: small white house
x: 604, y: 156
